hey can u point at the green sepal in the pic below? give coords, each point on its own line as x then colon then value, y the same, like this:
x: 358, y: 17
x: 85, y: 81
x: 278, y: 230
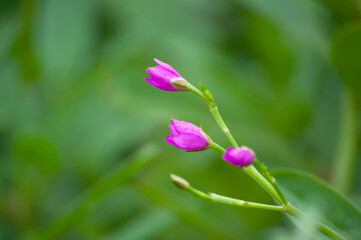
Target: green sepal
x: 263, y: 167
x: 204, y: 130
x: 206, y: 92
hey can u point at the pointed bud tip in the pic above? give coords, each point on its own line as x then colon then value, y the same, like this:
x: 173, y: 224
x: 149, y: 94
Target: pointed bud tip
x: 179, y: 181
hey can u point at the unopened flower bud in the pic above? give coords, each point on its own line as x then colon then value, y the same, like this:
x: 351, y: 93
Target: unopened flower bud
x: 240, y: 157
x: 185, y: 135
x: 179, y: 182
x: 163, y: 75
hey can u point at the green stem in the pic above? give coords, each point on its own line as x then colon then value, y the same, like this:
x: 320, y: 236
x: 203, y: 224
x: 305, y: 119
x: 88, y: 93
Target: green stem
x: 236, y: 202
x: 230, y: 201
x: 269, y: 183
x: 288, y: 208
x: 217, y: 116
x: 195, y: 90
x: 217, y: 147
x: 344, y: 168
x: 250, y: 170
x: 278, y: 190
x: 320, y: 226
x: 271, y: 179
x: 258, y: 177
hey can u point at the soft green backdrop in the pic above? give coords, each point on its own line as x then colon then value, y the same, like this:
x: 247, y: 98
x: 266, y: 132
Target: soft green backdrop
x: 82, y: 154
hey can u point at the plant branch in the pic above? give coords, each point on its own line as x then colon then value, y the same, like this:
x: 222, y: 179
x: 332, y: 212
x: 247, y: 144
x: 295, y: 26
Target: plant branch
x: 217, y: 147
x: 184, y: 184
x: 206, y: 95
x: 264, y: 170
x: 287, y: 209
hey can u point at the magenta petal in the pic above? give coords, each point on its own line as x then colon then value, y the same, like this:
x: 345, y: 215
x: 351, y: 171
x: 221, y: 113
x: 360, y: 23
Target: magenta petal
x: 239, y: 157
x: 175, y: 121
x: 186, y: 135
x: 149, y: 80
x: 183, y: 126
x: 172, y: 130
x: 169, y: 139
x: 160, y: 83
x: 166, y: 66
x: 190, y: 142
x: 161, y: 76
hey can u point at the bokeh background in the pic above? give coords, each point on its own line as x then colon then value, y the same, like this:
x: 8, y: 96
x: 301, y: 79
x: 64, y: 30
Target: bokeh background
x: 82, y: 154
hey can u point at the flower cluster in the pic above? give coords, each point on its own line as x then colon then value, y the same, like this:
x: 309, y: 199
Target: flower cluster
x: 186, y: 135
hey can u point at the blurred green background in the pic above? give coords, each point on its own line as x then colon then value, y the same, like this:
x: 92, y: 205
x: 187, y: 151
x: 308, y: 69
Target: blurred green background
x: 82, y: 154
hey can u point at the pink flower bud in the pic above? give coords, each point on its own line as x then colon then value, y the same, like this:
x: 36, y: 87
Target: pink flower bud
x: 240, y: 157
x: 165, y: 77
x: 185, y: 135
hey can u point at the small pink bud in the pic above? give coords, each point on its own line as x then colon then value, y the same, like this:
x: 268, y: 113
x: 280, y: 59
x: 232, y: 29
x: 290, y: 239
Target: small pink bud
x: 185, y: 135
x: 165, y: 77
x: 240, y: 157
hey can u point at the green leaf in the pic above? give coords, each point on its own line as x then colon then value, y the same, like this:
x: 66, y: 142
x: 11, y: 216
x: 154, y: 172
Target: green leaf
x: 309, y: 193
x: 346, y: 56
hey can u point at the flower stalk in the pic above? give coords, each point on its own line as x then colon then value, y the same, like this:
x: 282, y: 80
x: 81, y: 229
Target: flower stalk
x: 208, y: 98
x: 189, y: 137
x: 250, y: 170
x: 287, y: 209
x: 217, y: 147
x: 258, y: 177
x: 264, y: 170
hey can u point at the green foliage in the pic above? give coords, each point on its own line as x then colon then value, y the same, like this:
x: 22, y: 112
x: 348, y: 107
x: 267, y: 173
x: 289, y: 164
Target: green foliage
x: 116, y: 177
x: 37, y: 152
x: 310, y: 194
x: 74, y: 108
x: 346, y: 55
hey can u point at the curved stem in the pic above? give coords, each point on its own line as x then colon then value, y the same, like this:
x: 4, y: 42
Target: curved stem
x: 258, y: 177
x: 278, y: 190
x: 217, y: 116
x: 217, y: 147
x: 320, y: 226
x: 250, y: 170
x: 240, y: 203
x: 195, y: 90
x: 264, y: 170
x: 237, y: 202
x: 288, y: 208
x: 268, y: 184
x: 184, y: 184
